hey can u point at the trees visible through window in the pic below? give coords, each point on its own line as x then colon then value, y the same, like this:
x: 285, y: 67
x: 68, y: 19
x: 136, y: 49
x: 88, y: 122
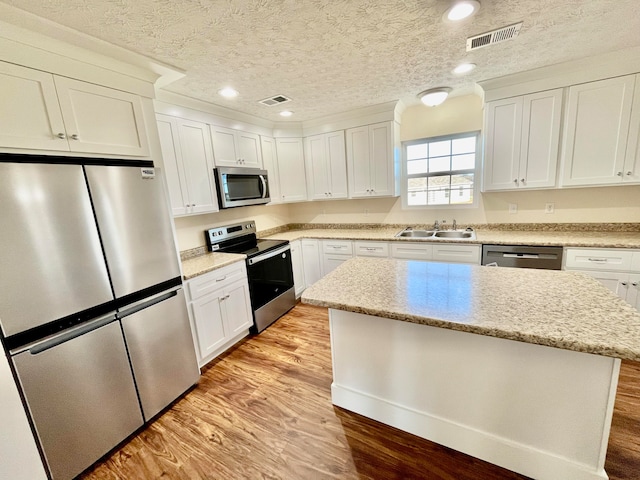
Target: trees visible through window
x: 436, y: 166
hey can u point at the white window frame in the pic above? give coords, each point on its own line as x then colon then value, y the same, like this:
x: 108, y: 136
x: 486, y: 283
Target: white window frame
x: 476, y: 171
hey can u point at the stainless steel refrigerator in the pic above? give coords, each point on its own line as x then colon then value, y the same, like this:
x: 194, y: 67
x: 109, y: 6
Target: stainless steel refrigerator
x: 92, y: 310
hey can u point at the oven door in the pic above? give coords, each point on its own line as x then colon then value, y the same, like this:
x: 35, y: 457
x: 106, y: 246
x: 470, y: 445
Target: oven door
x: 242, y: 186
x: 270, y: 275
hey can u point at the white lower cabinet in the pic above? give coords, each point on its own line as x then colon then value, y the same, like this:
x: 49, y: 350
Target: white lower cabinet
x: 334, y: 253
x: 372, y: 249
x: 220, y: 309
x: 616, y: 268
x: 311, y: 259
x: 437, y: 252
x: 298, y: 267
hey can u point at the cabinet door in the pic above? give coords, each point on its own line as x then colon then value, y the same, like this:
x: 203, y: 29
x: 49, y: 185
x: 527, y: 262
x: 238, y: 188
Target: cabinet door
x: 382, y: 164
x: 596, y: 132
x: 298, y: 267
x: 173, y: 167
x: 315, y: 158
x: 503, y: 133
x: 456, y: 253
x: 197, y: 158
x: 249, y: 150
x: 208, y: 319
x: 311, y: 259
x: 411, y: 251
x: 632, y: 161
x: 31, y: 116
x: 372, y: 249
x: 633, y: 291
x: 270, y: 161
x: 291, y: 168
x: 237, y: 308
x: 337, y: 164
x: 224, y: 146
x: 614, y: 281
x: 101, y: 120
x: 541, y: 115
x: 358, y: 163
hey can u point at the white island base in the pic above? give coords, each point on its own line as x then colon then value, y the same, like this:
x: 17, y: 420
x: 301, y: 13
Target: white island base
x: 540, y: 411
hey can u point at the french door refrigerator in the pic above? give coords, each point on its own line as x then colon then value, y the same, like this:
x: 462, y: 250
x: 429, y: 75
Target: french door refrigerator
x: 92, y: 312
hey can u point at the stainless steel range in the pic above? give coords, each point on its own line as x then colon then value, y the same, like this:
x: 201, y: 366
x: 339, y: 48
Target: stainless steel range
x: 268, y: 268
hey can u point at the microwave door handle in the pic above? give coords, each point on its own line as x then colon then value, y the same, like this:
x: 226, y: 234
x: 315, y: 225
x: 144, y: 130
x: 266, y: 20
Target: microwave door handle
x: 264, y: 186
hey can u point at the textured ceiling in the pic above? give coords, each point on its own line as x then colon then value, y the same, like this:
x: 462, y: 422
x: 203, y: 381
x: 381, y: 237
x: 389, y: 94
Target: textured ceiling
x: 336, y: 55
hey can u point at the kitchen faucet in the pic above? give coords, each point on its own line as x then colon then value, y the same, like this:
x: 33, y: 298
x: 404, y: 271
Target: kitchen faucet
x: 454, y: 225
x: 436, y: 225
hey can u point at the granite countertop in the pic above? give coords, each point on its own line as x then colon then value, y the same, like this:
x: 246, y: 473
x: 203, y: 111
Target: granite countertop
x: 559, y: 309
x: 201, y: 264
x: 550, y: 238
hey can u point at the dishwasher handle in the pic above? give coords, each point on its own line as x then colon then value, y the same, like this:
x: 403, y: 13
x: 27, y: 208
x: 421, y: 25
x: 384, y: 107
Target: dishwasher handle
x: 520, y: 255
x: 47, y: 344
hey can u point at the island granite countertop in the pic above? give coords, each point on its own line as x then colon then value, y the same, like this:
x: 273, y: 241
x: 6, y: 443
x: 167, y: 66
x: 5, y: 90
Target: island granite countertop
x: 559, y: 309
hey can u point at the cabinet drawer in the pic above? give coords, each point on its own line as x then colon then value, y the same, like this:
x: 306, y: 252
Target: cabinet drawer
x: 412, y: 251
x: 337, y: 246
x: 372, y: 249
x: 216, y: 279
x: 598, y: 259
x: 457, y: 253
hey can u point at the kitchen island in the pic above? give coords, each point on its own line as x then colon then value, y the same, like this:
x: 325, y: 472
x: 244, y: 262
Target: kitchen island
x: 517, y: 367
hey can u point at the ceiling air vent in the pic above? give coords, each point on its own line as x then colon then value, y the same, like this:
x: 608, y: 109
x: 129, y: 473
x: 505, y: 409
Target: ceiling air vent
x: 277, y: 100
x: 495, y: 36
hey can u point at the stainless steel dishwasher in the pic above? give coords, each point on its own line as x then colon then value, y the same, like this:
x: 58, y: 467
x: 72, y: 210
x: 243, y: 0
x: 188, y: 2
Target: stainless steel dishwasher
x: 521, y: 256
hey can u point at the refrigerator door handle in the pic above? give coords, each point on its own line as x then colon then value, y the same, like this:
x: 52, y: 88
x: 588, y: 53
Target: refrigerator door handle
x: 146, y: 303
x: 43, y: 345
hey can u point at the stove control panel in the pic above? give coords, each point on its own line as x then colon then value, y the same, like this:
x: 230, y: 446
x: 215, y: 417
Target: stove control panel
x: 215, y: 236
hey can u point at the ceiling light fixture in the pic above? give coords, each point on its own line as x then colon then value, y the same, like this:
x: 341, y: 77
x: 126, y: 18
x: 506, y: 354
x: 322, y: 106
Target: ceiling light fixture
x: 228, y: 92
x: 434, y: 96
x: 464, y: 68
x: 286, y: 113
x: 461, y: 10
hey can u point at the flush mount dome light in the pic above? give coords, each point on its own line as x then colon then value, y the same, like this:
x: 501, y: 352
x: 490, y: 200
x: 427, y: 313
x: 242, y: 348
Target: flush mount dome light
x: 286, y: 113
x: 434, y: 96
x: 228, y: 92
x: 461, y: 10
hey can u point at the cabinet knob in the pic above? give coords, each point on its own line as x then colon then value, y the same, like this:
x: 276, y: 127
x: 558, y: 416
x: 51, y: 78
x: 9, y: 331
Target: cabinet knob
x: 74, y: 136
x: 629, y: 174
x: 635, y: 284
x: 522, y: 181
x: 624, y: 284
x: 515, y: 180
x: 61, y: 135
x: 619, y: 174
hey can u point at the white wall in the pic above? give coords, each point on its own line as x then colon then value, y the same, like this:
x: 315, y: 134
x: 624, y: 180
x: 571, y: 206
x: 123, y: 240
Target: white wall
x: 463, y: 114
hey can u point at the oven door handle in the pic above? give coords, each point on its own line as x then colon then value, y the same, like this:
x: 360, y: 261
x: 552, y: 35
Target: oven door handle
x: 264, y: 186
x: 260, y: 258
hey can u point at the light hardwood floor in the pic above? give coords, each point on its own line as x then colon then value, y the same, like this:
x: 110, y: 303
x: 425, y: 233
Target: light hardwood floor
x: 263, y: 411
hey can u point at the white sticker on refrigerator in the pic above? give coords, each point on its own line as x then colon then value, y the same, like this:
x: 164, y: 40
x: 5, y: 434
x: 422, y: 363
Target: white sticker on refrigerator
x: 148, y: 172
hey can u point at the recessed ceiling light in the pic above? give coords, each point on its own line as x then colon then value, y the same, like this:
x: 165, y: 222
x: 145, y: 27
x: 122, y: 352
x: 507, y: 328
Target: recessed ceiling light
x: 464, y: 68
x: 461, y: 10
x: 228, y: 92
x: 434, y: 96
x: 286, y: 113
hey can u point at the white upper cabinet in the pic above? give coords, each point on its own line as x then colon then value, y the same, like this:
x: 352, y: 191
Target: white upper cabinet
x: 326, y: 166
x: 47, y: 112
x: 188, y: 162
x: 632, y: 158
x: 235, y: 148
x: 270, y: 162
x: 290, y: 155
x: 522, y: 137
x: 371, y: 160
x: 597, y: 132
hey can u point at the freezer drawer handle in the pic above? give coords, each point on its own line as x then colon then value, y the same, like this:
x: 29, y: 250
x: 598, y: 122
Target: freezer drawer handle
x: 70, y: 335
x: 146, y: 304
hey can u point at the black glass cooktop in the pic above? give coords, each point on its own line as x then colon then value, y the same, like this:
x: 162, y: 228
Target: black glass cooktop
x: 253, y: 247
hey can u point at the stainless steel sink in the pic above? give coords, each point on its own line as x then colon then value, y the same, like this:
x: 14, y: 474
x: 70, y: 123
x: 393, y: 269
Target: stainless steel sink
x: 454, y: 234
x: 448, y: 234
x: 416, y: 233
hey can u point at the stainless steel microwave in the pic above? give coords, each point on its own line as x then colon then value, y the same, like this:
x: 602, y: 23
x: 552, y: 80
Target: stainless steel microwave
x: 239, y: 187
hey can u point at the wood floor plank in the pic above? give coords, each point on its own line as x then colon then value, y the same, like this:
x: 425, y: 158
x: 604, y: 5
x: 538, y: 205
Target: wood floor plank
x: 263, y: 411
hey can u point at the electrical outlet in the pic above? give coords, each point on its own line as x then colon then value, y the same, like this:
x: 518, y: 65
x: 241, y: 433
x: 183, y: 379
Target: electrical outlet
x: 513, y: 208
x: 549, y: 207
x: 366, y: 212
